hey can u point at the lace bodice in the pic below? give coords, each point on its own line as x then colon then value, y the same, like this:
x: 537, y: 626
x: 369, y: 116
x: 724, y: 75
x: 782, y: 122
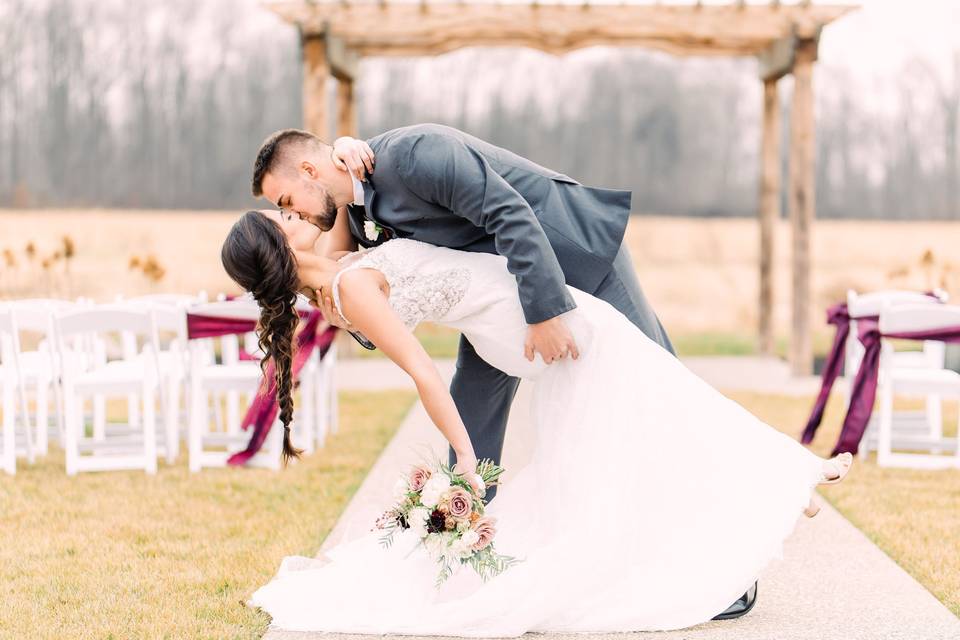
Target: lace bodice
x: 418, y: 291
x: 472, y: 292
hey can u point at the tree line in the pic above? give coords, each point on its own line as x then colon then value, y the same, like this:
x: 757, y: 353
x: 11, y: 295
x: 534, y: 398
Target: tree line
x: 139, y: 104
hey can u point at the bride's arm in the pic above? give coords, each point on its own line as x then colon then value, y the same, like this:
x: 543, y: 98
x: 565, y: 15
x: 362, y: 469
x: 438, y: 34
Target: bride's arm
x: 364, y: 302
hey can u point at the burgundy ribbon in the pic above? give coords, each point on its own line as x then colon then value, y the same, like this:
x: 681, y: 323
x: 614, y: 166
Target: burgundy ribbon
x: 264, y: 408
x: 200, y: 326
x: 864, y: 390
x: 839, y: 316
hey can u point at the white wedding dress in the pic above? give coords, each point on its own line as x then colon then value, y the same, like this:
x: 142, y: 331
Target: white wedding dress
x: 650, y: 502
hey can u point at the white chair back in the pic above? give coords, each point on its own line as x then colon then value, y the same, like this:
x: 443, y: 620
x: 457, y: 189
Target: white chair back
x: 10, y: 382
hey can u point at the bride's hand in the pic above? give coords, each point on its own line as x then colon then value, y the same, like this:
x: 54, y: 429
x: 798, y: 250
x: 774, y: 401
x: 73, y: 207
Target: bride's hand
x: 467, y: 466
x: 355, y: 156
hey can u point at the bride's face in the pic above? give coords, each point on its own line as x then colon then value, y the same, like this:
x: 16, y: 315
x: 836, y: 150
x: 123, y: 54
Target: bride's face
x: 301, y: 235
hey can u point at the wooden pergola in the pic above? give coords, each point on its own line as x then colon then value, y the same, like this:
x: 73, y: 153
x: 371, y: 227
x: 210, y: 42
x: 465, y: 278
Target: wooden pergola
x: 335, y: 34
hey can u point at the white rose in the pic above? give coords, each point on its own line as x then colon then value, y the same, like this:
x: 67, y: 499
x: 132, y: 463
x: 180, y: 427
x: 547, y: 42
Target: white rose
x: 434, y: 544
x: 370, y: 230
x: 458, y: 549
x: 400, y: 489
x: 469, y: 538
x: 417, y: 519
x: 434, y: 489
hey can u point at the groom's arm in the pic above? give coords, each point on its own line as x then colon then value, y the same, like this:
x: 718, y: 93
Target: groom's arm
x: 443, y: 170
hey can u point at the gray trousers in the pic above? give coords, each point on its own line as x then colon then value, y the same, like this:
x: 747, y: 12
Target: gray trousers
x: 483, y: 394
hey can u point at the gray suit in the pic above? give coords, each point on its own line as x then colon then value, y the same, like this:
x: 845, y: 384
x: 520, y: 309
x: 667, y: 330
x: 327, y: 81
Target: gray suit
x: 445, y: 187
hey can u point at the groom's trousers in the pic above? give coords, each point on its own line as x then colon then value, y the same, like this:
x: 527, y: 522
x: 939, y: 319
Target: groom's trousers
x: 483, y: 394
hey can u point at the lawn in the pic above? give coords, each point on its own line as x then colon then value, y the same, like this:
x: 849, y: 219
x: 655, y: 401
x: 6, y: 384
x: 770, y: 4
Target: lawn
x: 126, y: 555
x: 913, y: 515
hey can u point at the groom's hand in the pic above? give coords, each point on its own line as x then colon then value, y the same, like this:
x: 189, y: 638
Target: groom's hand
x: 551, y: 339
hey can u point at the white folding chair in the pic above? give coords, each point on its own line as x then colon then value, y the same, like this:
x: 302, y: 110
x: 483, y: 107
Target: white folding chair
x: 229, y: 378
x: 170, y: 319
x: 318, y: 399
x: 12, y: 390
x: 41, y: 366
x: 99, y: 376
x: 923, y: 381
x: 906, y: 424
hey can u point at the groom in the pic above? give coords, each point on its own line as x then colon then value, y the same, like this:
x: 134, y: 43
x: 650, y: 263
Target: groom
x: 442, y: 186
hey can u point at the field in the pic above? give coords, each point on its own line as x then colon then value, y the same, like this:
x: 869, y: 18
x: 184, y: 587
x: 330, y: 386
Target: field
x: 699, y: 274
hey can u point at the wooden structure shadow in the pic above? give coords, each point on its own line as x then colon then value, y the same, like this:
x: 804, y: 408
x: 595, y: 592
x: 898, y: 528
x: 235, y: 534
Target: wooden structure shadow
x: 784, y: 38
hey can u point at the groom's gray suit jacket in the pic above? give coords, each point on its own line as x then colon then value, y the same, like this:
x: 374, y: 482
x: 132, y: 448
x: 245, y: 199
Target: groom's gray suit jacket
x: 551, y: 228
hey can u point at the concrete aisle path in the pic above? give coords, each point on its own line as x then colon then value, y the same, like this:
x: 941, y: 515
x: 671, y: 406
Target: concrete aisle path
x: 832, y: 583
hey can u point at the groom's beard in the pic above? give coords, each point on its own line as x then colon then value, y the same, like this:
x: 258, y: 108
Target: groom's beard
x: 325, y: 218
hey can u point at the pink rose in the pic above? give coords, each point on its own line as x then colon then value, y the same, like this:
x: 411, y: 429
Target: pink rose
x: 460, y: 503
x: 486, y: 530
x: 418, y: 478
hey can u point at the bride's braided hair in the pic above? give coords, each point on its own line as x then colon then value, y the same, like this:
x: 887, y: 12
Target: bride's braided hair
x: 256, y: 255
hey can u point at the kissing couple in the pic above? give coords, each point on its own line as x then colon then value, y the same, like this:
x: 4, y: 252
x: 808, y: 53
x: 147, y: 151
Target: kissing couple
x: 650, y: 502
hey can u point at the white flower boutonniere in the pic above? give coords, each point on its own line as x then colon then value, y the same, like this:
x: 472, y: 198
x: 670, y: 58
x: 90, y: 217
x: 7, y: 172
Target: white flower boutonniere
x: 372, y: 230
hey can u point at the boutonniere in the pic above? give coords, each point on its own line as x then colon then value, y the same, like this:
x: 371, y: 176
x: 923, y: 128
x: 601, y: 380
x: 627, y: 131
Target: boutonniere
x: 372, y: 230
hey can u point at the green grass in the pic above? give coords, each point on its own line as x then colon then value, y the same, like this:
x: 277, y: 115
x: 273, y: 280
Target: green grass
x: 913, y: 515
x: 126, y: 555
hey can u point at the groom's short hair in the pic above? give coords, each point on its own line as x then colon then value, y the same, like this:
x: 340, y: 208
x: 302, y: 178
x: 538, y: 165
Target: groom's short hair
x: 275, y: 151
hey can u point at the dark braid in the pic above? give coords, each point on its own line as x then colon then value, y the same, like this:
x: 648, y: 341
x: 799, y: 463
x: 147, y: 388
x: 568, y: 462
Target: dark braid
x: 256, y: 255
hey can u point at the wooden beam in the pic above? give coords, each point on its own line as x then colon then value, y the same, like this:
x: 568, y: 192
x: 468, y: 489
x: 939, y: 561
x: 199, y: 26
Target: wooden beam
x: 802, y: 204
x: 769, y: 209
x: 407, y: 29
x: 344, y: 62
x: 346, y: 109
x: 316, y: 71
x: 776, y: 60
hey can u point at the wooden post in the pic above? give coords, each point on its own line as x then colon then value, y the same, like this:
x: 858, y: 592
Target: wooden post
x: 316, y: 70
x: 769, y: 208
x: 801, y: 203
x: 346, y: 108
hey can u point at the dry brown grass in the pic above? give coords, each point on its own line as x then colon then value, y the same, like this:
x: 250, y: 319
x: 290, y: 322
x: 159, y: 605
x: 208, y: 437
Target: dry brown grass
x: 913, y: 515
x: 126, y: 555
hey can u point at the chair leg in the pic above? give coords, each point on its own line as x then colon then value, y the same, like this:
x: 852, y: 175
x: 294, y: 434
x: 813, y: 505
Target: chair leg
x: 233, y: 412
x: 72, y: 424
x: 197, y: 424
x: 43, y: 416
x: 9, y: 430
x: 170, y: 416
x: 306, y: 426
x: 321, y: 404
x: 935, y: 422
x: 885, y: 435
x: 99, y: 417
x: 133, y: 410
x: 149, y: 429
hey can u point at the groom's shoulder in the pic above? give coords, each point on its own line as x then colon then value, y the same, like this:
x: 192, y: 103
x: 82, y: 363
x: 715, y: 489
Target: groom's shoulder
x: 404, y: 139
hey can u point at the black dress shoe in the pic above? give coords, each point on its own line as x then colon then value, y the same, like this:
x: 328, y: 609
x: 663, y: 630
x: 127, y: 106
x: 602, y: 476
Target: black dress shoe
x: 741, y: 606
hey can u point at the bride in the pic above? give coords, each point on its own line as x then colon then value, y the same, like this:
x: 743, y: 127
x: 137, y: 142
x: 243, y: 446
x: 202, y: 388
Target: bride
x: 650, y: 502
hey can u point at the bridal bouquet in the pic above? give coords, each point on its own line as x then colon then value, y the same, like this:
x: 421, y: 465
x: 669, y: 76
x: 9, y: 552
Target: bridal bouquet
x: 446, y: 513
